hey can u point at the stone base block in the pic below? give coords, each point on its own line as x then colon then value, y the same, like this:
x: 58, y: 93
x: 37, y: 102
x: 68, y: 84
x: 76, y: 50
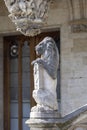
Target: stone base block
x: 44, y: 129
x: 46, y: 120
x: 44, y: 115
x: 42, y: 124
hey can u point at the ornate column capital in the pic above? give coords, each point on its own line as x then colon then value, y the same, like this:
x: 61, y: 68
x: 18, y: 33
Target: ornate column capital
x: 28, y: 15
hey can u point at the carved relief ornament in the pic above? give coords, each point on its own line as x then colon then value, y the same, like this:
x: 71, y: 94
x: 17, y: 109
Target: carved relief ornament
x: 79, y: 25
x: 28, y: 15
x: 78, y: 15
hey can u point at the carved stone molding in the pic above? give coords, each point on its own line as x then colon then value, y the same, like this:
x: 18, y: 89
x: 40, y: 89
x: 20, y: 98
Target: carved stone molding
x: 79, y: 26
x: 78, y: 15
x: 77, y: 9
x: 28, y: 15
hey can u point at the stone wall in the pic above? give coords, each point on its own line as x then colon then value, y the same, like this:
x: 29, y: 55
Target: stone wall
x: 73, y: 71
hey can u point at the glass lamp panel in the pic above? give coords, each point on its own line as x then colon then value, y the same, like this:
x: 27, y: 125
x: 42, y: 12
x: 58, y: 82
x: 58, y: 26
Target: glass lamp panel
x: 13, y: 93
x: 26, y: 64
x: 14, y: 124
x: 25, y: 84
x: 14, y: 65
x: 25, y: 49
x: 26, y: 109
x: 14, y: 110
x: 26, y: 79
x: 26, y: 94
x: 13, y: 79
x: 25, y: 72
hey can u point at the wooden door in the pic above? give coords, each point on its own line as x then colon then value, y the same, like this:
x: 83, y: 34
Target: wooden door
x: 18, y: 78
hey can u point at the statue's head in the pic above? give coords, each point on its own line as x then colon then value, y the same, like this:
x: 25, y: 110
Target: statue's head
x: 49, y: 56
x: 46, y: 44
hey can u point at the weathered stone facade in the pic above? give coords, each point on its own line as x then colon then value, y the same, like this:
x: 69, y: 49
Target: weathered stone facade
x: 62, y: 16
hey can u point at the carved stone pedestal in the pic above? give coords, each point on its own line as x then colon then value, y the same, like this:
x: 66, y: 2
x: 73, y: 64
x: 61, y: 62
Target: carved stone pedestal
x: 42, y: 124
x: 44, y: 120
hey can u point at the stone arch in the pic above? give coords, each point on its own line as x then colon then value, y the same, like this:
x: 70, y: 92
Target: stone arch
x: 77, y: 9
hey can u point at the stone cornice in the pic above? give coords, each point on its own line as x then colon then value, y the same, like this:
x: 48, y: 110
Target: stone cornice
x: 78, y: 25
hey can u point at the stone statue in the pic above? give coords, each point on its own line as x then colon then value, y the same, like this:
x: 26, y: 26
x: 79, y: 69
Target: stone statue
x: 45, y: 75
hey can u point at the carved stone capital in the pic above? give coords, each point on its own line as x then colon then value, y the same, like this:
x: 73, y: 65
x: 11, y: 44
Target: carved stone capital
x: 28, y: 15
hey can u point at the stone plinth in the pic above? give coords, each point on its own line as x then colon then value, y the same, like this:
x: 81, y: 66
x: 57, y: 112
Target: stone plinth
x: 42, y: 124
x: 46, y: 120
x: 44, y: 115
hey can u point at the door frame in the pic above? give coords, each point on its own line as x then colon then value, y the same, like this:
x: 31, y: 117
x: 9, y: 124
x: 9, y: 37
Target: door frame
x: 33, y: 42
x: 21, y: 39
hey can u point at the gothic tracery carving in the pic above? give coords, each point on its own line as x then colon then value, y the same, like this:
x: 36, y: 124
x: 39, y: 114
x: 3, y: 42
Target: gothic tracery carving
x: 78, y: 15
